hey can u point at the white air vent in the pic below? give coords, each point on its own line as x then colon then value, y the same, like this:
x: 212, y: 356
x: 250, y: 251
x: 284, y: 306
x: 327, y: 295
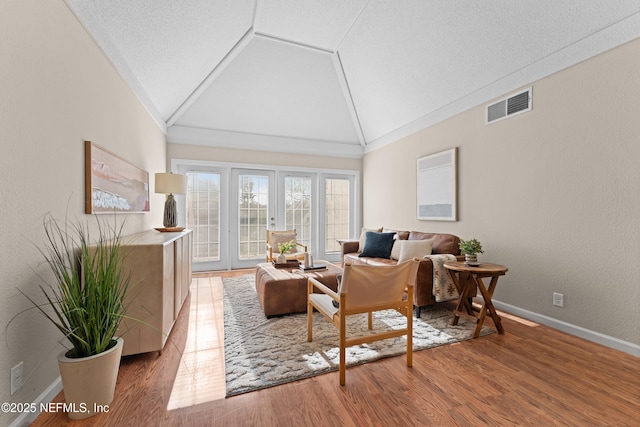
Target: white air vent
x: 508, y: 107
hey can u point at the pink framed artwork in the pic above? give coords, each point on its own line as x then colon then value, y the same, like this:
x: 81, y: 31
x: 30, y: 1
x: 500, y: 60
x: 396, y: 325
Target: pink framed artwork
x: 112, y: 184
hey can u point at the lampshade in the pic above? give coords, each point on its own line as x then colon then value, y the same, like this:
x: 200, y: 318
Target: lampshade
x: 171, y: 183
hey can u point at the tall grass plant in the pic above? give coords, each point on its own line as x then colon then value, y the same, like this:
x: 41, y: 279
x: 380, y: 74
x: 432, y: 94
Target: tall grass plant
x: 87, y: 296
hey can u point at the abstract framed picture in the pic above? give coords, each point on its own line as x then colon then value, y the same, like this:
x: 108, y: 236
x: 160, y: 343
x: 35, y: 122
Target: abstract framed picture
x: 437, y: 186
x: 112, y: 184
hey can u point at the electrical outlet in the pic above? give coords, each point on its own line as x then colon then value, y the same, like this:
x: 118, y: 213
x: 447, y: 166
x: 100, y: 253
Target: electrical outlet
x: 558, y: 299
x: 17, y: 377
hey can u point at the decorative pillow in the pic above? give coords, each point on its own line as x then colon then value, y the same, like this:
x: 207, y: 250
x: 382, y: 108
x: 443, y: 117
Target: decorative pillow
x: 400, y: 235
x: 395, y: 250
x: 414, y: 249
x: 363, y: 236
x: 389, y: 230
x: 377, y: 245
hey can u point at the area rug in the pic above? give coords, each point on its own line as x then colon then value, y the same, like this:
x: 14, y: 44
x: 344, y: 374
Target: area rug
x: 261, y: 352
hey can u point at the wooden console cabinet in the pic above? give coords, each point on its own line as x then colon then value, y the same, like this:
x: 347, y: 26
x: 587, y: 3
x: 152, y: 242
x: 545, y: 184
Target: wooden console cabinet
x: 160, y: 267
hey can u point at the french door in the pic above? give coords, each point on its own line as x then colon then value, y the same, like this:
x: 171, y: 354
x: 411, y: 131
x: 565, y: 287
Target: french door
x: 266, y: 202
x: 231, y: 208
x: 296, y: 207
x: 252, y: 207
x: 207, y: 215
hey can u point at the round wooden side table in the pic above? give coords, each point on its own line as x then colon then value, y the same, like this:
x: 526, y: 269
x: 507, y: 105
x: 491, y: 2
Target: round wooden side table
x: 468, y: 278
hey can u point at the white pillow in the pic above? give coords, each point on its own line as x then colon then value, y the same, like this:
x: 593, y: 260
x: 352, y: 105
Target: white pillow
x: 395, y: 251
x: 414, y: 249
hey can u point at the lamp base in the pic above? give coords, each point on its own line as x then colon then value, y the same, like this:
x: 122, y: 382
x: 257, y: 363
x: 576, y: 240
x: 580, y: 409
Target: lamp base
x: 170, y: 212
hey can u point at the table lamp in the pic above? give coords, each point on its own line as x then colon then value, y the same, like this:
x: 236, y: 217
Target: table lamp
x: 170, y: 184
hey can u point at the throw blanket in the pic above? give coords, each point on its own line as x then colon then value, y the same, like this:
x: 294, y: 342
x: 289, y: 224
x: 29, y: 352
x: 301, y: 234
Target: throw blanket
x: 443, y: 287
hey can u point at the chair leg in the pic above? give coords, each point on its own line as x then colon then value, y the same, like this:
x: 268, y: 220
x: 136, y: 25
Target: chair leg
x: 309, y: 322
x: 417, y: 311
x: 409, y: 337
x: 343, y: 351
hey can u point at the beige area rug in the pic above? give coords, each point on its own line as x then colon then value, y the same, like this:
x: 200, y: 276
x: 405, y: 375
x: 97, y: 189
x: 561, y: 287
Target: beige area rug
x: 261, y: 352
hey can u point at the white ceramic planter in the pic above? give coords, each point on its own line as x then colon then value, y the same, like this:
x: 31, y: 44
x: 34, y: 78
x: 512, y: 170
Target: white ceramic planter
x: 471, y: 259
x: 90, y: 382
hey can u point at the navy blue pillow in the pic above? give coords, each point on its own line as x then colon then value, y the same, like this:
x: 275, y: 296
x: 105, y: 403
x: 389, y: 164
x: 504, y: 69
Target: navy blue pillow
x: 377, y: 245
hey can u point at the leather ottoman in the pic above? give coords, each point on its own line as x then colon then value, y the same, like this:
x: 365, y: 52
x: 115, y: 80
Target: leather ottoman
x: 284, y: 291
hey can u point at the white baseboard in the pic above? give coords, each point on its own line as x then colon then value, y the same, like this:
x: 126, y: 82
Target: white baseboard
x: 26, y: 418
x: 578, y: 331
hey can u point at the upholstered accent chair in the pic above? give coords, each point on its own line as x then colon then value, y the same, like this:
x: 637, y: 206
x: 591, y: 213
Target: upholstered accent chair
x: 275, y: 237
x: 365, y: 289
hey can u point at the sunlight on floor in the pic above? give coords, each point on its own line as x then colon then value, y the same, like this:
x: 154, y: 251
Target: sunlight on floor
x: 201, y: 375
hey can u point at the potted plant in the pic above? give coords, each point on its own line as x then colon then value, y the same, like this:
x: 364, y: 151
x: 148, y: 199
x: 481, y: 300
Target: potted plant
x: 470, y: 249
x: 284, y: 248
x: 86, y: 303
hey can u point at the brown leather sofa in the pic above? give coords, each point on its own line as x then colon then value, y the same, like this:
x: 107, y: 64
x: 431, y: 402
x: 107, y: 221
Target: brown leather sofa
x: 423, y: 292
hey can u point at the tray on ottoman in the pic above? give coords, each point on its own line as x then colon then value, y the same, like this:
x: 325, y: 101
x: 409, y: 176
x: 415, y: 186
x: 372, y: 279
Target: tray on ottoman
x: 289, y: 264
x: 284, y: 291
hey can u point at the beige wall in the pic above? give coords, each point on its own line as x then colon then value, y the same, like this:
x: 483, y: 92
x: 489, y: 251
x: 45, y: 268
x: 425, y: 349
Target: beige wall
x: 554, y: 193
x: 229, y: 155
x: 57, y: 89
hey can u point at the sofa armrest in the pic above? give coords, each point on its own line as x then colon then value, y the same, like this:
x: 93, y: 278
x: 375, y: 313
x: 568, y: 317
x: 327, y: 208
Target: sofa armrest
x: 423, y: 292
x: 347, y: 247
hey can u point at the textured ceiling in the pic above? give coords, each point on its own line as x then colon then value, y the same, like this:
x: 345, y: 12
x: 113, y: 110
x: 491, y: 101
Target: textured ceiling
x: 335, y: 77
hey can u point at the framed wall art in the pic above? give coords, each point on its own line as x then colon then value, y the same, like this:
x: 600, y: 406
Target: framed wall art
x: 112, y: 184
x: 437, y: 186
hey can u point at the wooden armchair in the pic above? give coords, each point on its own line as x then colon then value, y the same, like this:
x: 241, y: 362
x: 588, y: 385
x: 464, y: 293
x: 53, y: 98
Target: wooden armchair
x: 365, y: 289
x: 274, y: 237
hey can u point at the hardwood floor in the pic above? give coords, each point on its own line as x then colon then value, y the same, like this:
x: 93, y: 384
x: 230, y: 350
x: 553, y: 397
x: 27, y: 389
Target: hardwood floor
x: 531, y: 376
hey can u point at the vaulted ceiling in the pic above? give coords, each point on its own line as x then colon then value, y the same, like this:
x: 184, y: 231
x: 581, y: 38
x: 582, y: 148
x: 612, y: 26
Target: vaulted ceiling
x: 338, y: 77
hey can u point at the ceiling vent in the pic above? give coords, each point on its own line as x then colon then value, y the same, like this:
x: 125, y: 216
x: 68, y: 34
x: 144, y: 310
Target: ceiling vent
x: 508, y: 107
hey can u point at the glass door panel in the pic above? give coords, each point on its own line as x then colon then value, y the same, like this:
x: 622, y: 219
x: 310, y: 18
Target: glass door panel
x: 205, y: 215
x: 298, y: 207
x: 251, y: 214
x: 336, y: 213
